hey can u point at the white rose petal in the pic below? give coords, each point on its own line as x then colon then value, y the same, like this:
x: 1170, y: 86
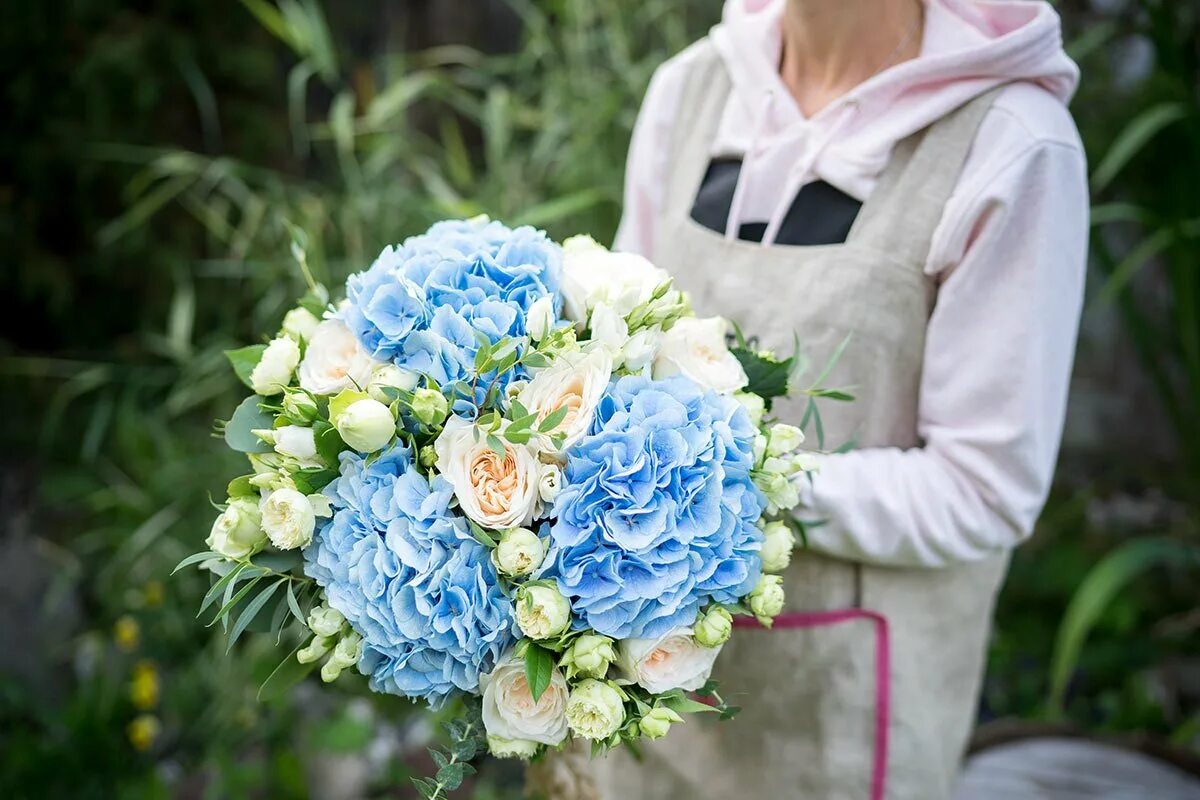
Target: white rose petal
x: 509, y: 710
x: 778, y: 542
x: 672, y: 661
x: 273, y: 372
x: 595, y: 710
x: 542, y: 611
x: 641, y: 349
x: 519, y: 552
x: 385, y: 376
x: 335, y: 360
x: 497, y: 492
x: 540, y: 318
x: 609, y: 329
x: 575, y: 381
x: 593, y: 275
x: 550, y: 483
x: 288, y: 519
x: 696, y: 348
x: 237, y: 533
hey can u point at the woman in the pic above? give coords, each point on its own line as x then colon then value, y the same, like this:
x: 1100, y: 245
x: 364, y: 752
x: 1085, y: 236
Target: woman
x: 905, y: 173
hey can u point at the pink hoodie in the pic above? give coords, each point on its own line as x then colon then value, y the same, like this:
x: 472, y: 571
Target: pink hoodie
x: 1009, y: 256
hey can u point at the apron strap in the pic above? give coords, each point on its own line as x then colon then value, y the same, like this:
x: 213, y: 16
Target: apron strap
x: 695, y: 127
x: 920, y: 177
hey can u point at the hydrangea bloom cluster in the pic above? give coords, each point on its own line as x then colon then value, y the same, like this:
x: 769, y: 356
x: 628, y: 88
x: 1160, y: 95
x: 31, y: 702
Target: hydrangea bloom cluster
x: 409, y: 577
x: 424, y: 304
x: 659, y: 513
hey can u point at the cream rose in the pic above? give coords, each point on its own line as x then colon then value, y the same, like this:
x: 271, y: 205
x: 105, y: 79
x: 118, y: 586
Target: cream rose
x: 672, y: 661
x: 594, y: 275
x: 498, y: 492
x: 299, y: 323
x: 696, y: 348
x: 237, y: 532
x: 575, y: 381
x: 335, y: 360
x: 273, y: 372
x: 510, y: 712
x: 297, y: 442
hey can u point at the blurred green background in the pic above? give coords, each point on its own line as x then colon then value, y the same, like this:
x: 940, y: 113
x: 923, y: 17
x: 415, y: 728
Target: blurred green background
x: 150, y: 156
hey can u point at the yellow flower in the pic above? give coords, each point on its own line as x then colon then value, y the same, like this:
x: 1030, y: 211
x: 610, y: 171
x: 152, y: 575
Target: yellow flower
x: 154, y: 594
x: 143, y: 731
x: 127, y: 633
x: 143, y: 689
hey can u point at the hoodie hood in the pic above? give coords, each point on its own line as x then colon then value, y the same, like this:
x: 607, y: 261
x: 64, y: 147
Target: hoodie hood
x: 967, y: 49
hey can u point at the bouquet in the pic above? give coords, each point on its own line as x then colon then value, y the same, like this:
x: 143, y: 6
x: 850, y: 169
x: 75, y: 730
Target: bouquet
x: 518, y: 476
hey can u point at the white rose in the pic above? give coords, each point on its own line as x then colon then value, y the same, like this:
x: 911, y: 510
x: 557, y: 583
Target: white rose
x: 498, y: 492
x: 595, y: 709
x: 540, y: 318
x: 550, y: 483
x: 335, y: 360
x: 366, y: 425
x: 593, y: 275
x: 523, y: 749
x: 509, y: 710
x: 609, y: 329
x: 519, y: 552
x: 237, y: 533
x: 755, y: 406
x: 542, y: 611
x: 297, y: 442
x: 672, y: 661
x: 288, y: 519
x: 696, y: 348
x: 777, y: 547
x: 273, y: 372
x: 575, y: 381
x: 299, y: 323
x: 389, y: 376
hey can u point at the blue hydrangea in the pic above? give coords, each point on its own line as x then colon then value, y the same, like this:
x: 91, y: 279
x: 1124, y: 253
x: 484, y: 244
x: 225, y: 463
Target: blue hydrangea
x: 658, y: 513
x: 425, y: 303
x: 410, y: 578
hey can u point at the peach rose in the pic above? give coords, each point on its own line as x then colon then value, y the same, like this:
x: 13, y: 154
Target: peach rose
x: 496, y: 491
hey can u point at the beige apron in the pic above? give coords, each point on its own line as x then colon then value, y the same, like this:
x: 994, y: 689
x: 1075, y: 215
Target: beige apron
x: 811, y: 724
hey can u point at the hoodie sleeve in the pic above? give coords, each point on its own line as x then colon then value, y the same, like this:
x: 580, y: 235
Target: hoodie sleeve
x: 1010, y: 256
x: 646, y: 164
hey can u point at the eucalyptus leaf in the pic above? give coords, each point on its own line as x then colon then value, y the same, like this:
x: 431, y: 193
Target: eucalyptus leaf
x: 248, y: 417
x: 244, y: 360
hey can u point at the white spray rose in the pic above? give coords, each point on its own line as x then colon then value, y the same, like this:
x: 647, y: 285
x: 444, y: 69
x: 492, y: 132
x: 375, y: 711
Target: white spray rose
x: 755, y: 406
x: 389, y: 376
x: 589, y: 656
x: 299, y: 407
x: 430, y: 406
x: 575, y: 381
x: 335, y: 360
x: 696, y: 348
x: 297, y: 442
x: 540, y: 318
x: 542, y: 611
x: 519, y: 552
x: 783, y: 439
x: 510, y: 712
x: 497, y: 492
x: 657, y: 722
x: 777, y: 547
x: 641, y: 349
x: 324, y: 620
x: 781, y: 492
x: 766, y: 600
x: 593, y: 275
x: 288, y: 519
x: 345, y: 655
x: 714, y: 627
x: 595, y: 710
x: 273, y: 372
x: 366, y: 425
x: 299, y: 323
x: 550, y: 483
x: 674, y: 660
x: 609, y: 330
x: 237, y: 533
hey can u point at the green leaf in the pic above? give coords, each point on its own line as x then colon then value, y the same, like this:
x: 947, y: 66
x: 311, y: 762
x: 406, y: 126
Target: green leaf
x: 481, y: 536
x: 248, y: 417
x: 231, y: 601
x: 686, y: 705
x: 294, y: 605
x: 194, y: 558
x: 241, y: 487
x: 553, y: 420
x: 427, y: 787
x: 328, y: 441
x: 539, y: 664
x: 251, y: 611
x: 1097, y: 590
x: 496, y: 444
x: 284, y: 677
x: 215, y: 590
x: 767, y: 377
x: 1130, y: 141
x: 832, y: 362
x: 244, y: 360
x: 311, y: 480
x: 343, y: 400
x: 521, y: 423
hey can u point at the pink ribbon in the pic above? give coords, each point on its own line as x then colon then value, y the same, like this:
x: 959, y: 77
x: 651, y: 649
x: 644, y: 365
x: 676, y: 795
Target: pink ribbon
x: 883, y: 693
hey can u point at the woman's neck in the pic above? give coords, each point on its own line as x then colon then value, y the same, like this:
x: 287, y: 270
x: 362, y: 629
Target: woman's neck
x: 831, y: 46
